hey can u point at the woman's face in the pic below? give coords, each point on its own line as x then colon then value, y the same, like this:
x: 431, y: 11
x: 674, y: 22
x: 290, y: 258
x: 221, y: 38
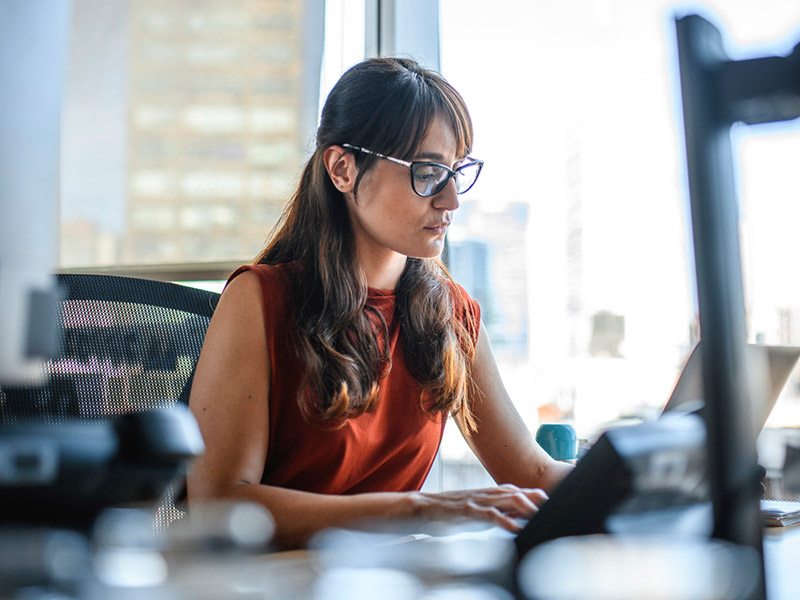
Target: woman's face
x: 389, y: 217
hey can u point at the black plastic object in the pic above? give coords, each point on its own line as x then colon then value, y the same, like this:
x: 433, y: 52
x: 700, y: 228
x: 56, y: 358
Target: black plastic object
x: 66, y: 474
x: 644, y: 478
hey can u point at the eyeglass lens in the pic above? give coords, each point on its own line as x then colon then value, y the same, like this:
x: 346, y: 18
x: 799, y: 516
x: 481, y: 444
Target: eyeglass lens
x: 430, y: 179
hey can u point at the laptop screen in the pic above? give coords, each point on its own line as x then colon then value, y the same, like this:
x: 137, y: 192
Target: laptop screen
x: 778, y: 362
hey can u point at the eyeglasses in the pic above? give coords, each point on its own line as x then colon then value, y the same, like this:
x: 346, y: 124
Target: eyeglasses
x: 429, y: 178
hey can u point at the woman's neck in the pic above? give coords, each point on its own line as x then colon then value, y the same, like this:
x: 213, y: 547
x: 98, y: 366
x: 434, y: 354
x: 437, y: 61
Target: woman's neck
x: 382, y: 272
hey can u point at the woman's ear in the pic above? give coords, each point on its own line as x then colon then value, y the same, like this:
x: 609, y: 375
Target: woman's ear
x: 341, y: 167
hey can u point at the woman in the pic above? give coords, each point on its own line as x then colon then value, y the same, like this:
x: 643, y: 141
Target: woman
x: 330, y: 366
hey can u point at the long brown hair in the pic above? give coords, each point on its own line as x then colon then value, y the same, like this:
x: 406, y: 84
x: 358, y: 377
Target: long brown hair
x: 387, y: 105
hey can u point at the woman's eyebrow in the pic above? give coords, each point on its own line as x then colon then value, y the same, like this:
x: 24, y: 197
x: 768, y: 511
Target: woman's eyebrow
x: 436, y: 157
x: 431, y: 156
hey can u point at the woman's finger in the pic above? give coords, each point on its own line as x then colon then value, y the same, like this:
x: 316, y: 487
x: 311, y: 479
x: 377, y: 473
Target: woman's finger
x: 492, y: 515
x: 498, y: 505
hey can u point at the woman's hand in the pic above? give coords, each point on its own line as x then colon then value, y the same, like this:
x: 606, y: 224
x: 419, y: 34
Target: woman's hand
x: 499, y: 505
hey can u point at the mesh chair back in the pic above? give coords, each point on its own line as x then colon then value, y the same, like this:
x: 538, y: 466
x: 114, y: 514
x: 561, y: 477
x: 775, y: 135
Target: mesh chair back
x: 127, y: 345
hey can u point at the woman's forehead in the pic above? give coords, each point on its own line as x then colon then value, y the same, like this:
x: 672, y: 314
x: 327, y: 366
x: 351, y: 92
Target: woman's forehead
x: 439, y: 142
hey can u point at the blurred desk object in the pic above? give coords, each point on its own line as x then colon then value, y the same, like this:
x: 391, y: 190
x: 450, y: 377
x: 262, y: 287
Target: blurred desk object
x: 780, y: 513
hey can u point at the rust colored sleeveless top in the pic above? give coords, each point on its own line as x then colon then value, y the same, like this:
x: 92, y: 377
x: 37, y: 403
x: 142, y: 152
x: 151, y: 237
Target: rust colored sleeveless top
x: 389, y: 449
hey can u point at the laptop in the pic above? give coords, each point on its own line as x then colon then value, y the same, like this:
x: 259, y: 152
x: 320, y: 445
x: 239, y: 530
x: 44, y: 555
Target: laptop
x: 779, y: 362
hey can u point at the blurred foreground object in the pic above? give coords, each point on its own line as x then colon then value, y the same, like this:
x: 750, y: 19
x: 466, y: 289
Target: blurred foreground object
x: 717, y: 92
x: 635, y: 567
x: 424, y: 559
x: 222, y: 525
x: 66, y: 474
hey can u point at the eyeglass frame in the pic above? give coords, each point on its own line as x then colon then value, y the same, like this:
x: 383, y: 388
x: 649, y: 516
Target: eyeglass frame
x: 410, y: 166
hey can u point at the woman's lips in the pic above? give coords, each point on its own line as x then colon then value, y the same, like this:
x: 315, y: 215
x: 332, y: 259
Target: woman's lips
x: 439, y: 228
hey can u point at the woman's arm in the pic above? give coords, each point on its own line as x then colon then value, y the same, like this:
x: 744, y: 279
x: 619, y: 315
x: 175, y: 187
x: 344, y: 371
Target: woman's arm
x: 229, y: 394
x: 230, y: 402
x: 502, y: 442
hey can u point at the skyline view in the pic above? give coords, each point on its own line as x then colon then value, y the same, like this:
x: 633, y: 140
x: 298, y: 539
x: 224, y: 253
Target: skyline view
x: 577, y: 114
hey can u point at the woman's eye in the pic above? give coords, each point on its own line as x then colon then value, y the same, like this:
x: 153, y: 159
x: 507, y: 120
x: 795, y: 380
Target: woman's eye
x: 426, y: 174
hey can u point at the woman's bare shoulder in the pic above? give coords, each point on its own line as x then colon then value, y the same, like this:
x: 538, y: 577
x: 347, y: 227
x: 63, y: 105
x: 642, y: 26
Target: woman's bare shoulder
x: 237, y: 326
x: 245, y: 286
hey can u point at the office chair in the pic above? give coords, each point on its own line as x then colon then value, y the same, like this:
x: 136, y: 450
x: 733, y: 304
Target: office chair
x: 127, y: 346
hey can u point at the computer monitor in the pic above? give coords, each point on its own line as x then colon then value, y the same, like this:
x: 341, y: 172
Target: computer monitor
x: 717, y: 92
x: 33, y: 57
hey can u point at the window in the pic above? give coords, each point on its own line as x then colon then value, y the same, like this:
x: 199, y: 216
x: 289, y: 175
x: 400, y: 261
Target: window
x: 205, y: 108
x: 575, y: 240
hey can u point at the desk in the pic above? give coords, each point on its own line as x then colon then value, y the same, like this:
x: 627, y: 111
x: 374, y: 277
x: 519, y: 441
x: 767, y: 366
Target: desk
x: 782, y: 562
x: 781, y: 554
x: 301, y: 571
x: 126, y: 574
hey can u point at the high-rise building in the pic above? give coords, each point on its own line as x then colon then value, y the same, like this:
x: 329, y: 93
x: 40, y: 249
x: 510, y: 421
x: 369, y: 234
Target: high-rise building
x: 223, y: 103
x: 486, y: 254
x: 187, y: 122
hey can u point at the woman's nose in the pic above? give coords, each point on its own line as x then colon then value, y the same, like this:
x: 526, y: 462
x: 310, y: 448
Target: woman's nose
x: 447, y: 198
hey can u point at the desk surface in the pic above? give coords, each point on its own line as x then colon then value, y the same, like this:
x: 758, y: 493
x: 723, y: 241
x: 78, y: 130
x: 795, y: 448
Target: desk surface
x: 301, y: 570
x: 782, y: 562
x: 781, y: 557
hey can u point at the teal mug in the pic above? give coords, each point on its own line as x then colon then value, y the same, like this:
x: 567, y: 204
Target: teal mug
x: 559, y: 440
